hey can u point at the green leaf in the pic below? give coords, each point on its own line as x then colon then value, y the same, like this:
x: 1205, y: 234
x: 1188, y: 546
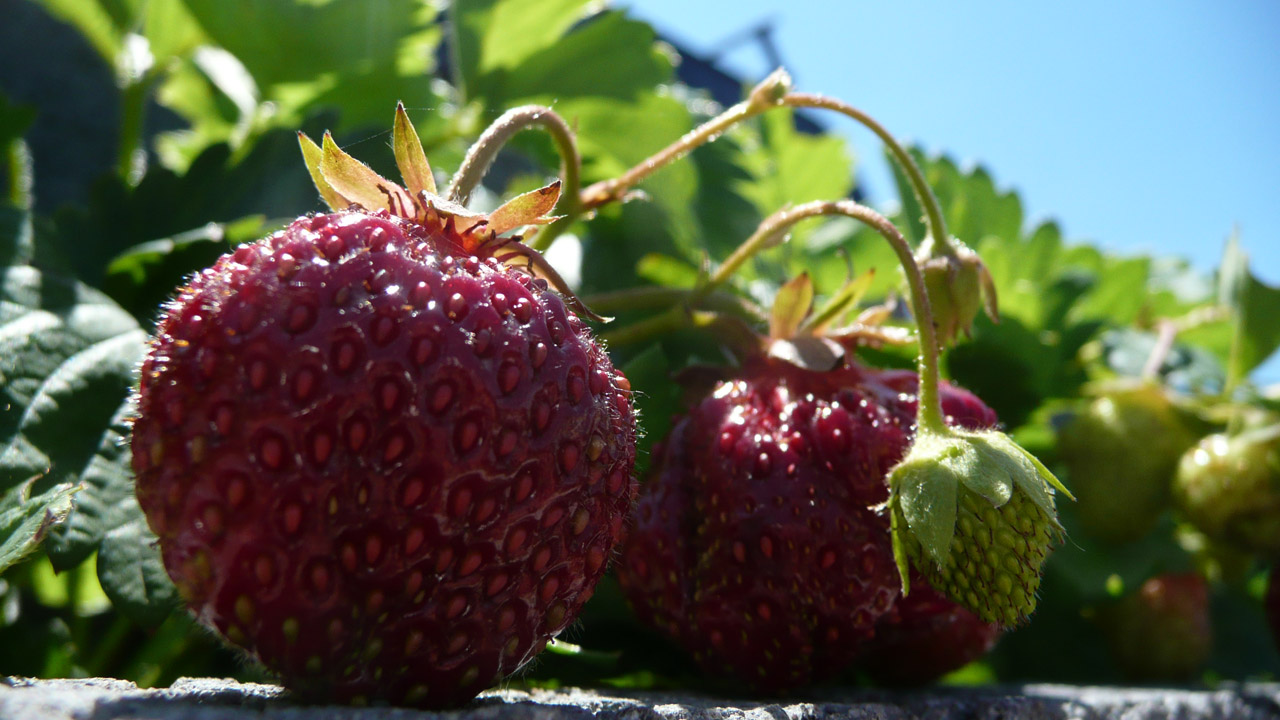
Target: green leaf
x: 790, y: 167
x: 350, y: 55
x: 142, y: 277
x: 656, y: 404
x: 105, y: 500
x: 132, y: 573
x: 1255, y: 307
x: 66, y: 364
x: 493, y: 35
x: 25, y: 521
x: 570, y: 67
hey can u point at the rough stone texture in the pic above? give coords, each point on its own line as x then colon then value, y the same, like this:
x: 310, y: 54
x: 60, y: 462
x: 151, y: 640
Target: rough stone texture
x: 210, y: 699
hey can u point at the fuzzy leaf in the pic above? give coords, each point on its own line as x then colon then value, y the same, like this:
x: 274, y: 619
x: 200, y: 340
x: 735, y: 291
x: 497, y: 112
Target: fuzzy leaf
x: 358, y: 182
x: 529, y: 208
x: 312, y: 156
x: 132, y: 573
x: 25, y: 521
x: 790, y: 307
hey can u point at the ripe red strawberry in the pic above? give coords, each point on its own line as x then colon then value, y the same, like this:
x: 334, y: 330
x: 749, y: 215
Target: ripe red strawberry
x: 756, y: 546
x: 1271, y: 603
x: 924, y: 637
x: 383, y: 462
x: 1162, y: 632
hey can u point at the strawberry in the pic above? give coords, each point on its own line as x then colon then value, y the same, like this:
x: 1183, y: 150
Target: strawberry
x: 1228, y: 486
x: 924, y: 637
x: 1161, y: 632
x: 385, y: 463
x: 1121, y: 452
x: 1271, y: 603
x: 755, y: 544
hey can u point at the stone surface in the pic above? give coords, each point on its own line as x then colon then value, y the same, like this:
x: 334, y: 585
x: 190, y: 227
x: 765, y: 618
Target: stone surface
x: 212, y: 699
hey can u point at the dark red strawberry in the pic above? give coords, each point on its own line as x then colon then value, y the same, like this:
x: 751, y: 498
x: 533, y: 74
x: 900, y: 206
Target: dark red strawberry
x: 380, y: 460
x: 1271, y: 603
x: 755, y: 544
x: 1161, y: 632
x: 924, y: 637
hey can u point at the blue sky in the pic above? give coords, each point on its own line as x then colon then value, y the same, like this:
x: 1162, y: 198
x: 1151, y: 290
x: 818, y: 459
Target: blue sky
x: 1142, y: 126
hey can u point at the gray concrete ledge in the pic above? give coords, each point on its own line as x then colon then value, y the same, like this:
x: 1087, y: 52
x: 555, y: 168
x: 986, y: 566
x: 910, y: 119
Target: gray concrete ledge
x: 212, y: 699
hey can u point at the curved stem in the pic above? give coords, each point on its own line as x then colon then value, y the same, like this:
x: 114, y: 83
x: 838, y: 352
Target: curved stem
x: 933, y: 210
x: 764, y: 96
x: 929, y: 413
x: 651, y: 298
x: 674, y: 318
x: 485, y: 149
x: 133, y: 107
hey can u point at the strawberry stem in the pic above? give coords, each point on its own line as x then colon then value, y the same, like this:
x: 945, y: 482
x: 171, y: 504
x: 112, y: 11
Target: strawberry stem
x: 763, y: 97
x: 659, y: 298
x: 937, y: 225
x: 929, y: 413
x: 485, y: 149
x: 771, y: 93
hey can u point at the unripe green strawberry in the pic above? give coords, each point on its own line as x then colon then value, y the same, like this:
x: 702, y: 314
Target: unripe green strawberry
x: 974, y: 513
x: 1162, y: 632
x: 1229, y: 488
x: 1120, y: 453
x: 958, y: 284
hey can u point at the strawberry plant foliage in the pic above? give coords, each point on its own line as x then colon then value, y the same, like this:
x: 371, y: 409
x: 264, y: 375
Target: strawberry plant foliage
x: 79, y: 290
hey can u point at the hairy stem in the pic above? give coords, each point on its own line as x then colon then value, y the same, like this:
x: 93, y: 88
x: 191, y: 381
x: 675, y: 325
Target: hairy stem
x: 933, y: 210
x: 654, y: 298
x: 761, y: 98
x: 481, y: 156
x: 929, y: 415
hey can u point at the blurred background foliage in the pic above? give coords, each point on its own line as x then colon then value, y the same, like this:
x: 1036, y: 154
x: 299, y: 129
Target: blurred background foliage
x: 149, y: 136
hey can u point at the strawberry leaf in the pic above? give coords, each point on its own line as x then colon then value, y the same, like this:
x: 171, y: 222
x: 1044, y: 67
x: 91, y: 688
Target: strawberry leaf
x: 25, y: 521
x: 131, y: 572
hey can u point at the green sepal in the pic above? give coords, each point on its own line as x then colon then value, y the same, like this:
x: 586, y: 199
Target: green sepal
x: 410, y: 158
x: 312, y: 155
x: 925, y: 485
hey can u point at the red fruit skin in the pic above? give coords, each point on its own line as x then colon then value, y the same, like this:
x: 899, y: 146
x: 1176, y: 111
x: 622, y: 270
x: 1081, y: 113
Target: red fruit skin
x: 924, y: 637
x: 389, y: 470
x: 1271, y: 603
x: 755, y: 544
x: 1162, y: 632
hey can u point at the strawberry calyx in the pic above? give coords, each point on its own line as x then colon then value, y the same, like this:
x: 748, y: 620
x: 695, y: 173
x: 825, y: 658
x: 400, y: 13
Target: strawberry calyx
x: 809, y: 338
x: 974, y: 512
x: 959, y: 285
x: 345, y: 182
